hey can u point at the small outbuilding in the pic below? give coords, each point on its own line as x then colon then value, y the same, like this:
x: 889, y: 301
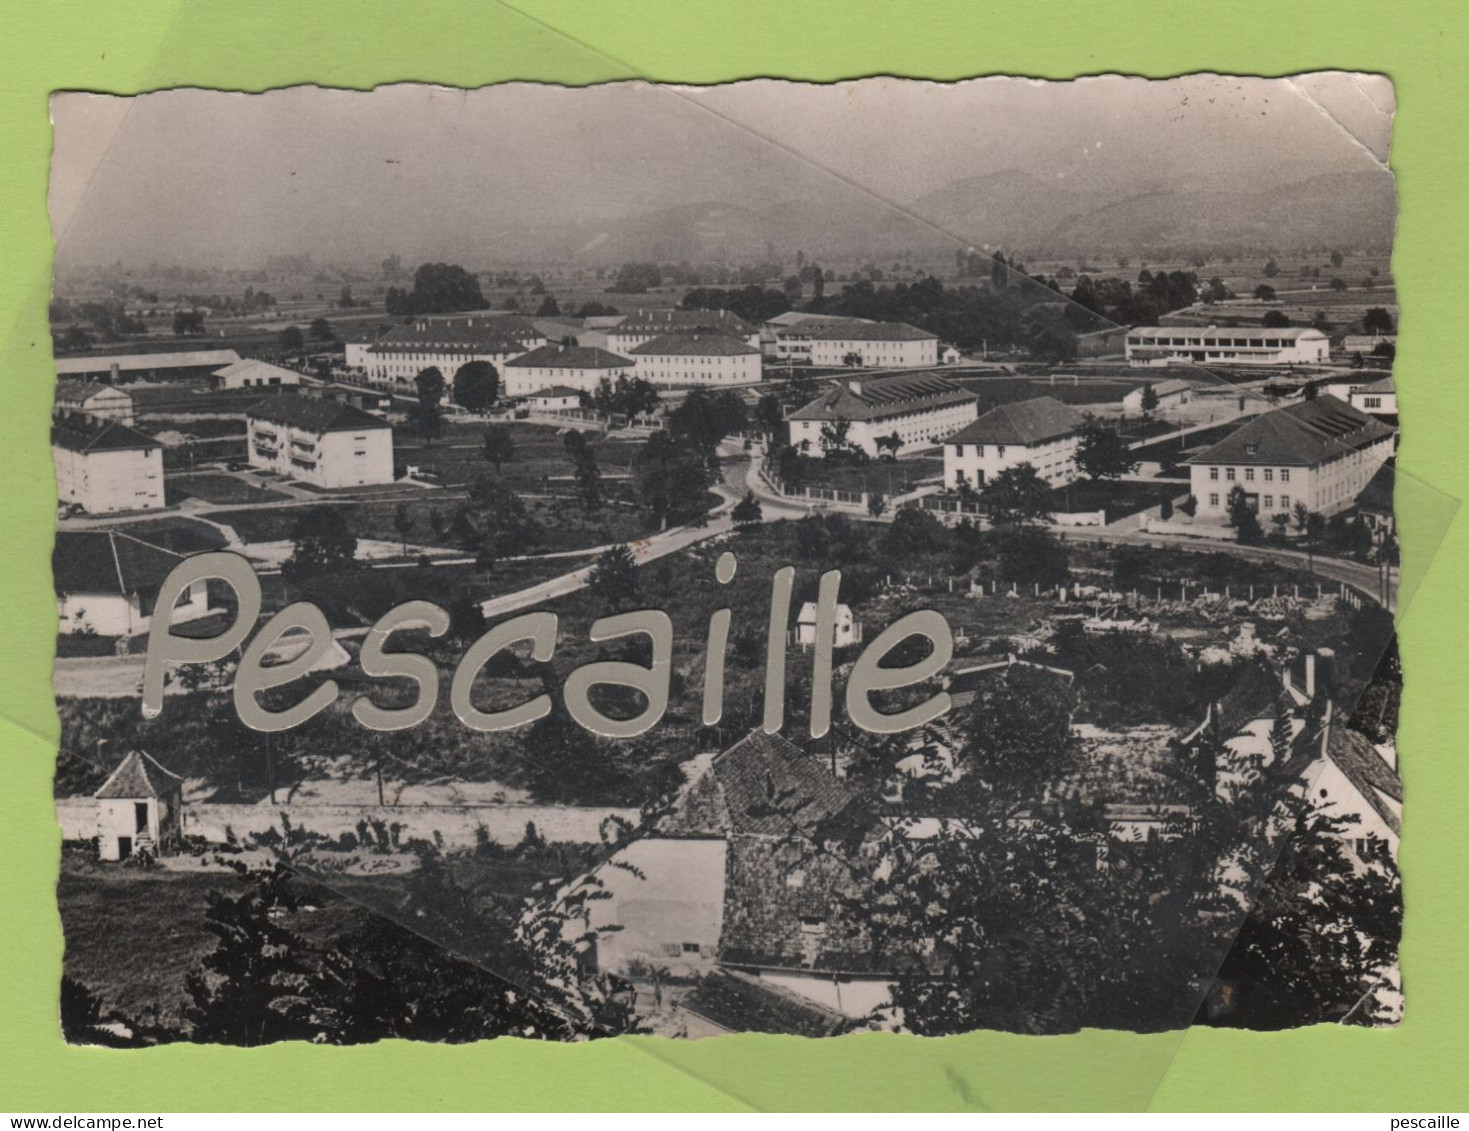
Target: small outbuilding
x: 846, y: 632
x: 139, y: 809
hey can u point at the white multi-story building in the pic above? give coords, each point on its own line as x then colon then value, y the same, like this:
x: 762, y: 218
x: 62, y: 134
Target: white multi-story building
x: 319, y: 441
x: 444, y: 344
x: 642, y: 326
x: 105, y: 467
x: 1320, y: 452
x: 919, y: 409
x: 576, y: 367
x: 871, y: 345
x: 1042, y: 432
x: 94, y: 400
x: 787, y: 337
x: 1226, y: 345
x: 698, y: 359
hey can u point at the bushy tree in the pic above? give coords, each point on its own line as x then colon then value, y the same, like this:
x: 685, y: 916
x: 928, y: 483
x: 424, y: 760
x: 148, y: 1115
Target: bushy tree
x: 670, y: 479
x: 746, y: 512
x: 324, y: 544
x: 1103, y: 454
x: 494, y: 521
x: 499, y: 445
x: 429, y: 388
x: 476, y: 386
x: 1017, y: 496
x: 614, y: 576
x: 584, y: 469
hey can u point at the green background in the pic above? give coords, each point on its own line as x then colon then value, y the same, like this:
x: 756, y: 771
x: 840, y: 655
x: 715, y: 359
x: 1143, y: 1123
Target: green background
x: 147, y: 44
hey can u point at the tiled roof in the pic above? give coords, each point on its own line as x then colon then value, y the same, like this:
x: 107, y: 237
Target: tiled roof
x: 82, y: 435
x: 696, y: 344
x: 1382, y: 385
x: 1023, y: 422
x: 877, y: 398
x: 557, y: 391
x: 1354, y: 754
x: 1299, y: 435
x: 764, y: 785
x: 1253, y: 696
x: 178, y: 359
x: 1377, y: 496
x: 108, y: 561
x: 254, y: 367
x: 739, y: 1003
x: 1292, y: 332
x: 683, y: 321
x: 139, y: 775
x: 313, y: 415
x: 79, y: 392
x: 473, y: 333
x: 569, y: 357
x: 870, y: 332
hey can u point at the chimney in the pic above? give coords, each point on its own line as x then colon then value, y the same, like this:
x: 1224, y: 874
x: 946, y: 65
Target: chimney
x: 1310, y: 676
x: 855, y: 386
x: 114, y: 373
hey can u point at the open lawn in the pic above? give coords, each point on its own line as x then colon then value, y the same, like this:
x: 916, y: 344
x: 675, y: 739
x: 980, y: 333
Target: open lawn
x: 1116, y: 498
x: 540, y: 454
x: 181, y: 535
x: 213, y: 487
x: 891, y: 477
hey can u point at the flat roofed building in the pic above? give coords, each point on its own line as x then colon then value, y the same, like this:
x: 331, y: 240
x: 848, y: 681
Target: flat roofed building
x: 445, y: 344
x: 1042, y: 432
x: 137, y: 366
x: 920, y: 409
x: 872, y: 345
x: 105, y: 467
x: 251, y: 373
x: 1226, y: 345
x: 575, y: 367
x: 94, y: 400
x: 558, y: 398
x: 107, y: 583
x: 1320, y: 452
x: 697, y: 359
x: 642, y: 326
x: 319, y: 441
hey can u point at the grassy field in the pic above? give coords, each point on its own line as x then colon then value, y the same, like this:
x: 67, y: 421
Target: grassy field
x: 1117, y: 499
x: 212, y: 487
x: 891, y: 477
x: 181, y: 535
x: 540, y: 454
x: 1073, y: 390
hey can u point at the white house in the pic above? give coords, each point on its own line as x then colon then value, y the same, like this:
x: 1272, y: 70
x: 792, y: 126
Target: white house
x: 319, y: 441
x: 107, y: 583
x: 1042, y: 432
x: 1226, y: 345
x: 873, y: 345
x: 558, y: 398
x: 94, y: 401
x: 788, y: 336
x: 1367, y: 344
x: 1319, y: 452
x: 919, y: 409
x: 1380, y: 399
x: 104, y: 467
x: 445, y: 344
x: 574, y: 367
x: 642, y: 326
x: 846, y: 631
x: 1170, y: 394
x: 697, y: 359
x: 251, y: 373
x: 139, y: 809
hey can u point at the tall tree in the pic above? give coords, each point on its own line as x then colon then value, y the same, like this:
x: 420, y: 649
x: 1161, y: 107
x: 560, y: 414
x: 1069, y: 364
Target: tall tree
x: 670, y: 479
x: 476, y: 386
x: 584, y: 469
x: 1103, y: 453
x: 499, y: 445
x: 324, y: 543
x: 1017, y: 496
x: 614, y: 576
x: 428, y: 414
x: 495, y: 521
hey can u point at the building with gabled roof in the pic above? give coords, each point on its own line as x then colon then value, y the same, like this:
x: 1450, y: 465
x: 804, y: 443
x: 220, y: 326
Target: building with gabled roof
x: 324, y: 442
x: 445, y: 344
x: 581, y: 368
x: 1319, y: 452
x: 107, y: 583
x: 697, y: 359
x: 919, y: 409
x: 252, y: 373
x: 641, y: 326
x: 1041, y: 431
x: 1169, y: 393
x: 103, y: 466
x: 1378, y: 398
x: 94, y: 401
x: 139, y: 809
x: 870, y: 345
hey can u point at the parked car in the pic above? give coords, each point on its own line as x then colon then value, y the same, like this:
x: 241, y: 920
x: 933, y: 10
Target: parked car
x: 237, y: 465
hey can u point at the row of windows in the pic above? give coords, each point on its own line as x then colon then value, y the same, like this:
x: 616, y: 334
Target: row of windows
x: 1269, y: 474
x: 1209, y: 343
x: 1267, y: 502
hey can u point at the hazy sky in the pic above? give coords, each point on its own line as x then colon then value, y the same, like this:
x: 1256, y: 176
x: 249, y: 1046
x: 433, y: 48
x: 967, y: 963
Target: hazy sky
x: 201, y: 177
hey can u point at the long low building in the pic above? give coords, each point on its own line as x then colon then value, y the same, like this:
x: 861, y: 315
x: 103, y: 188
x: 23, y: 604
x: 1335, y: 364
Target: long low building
x: 105, y: 467
x: 94, y: 400
x: 693, y: 360
x: 252, y: 373
x: 1320, y: 452
x: 319, y: 441
x: 871, y: 345
x: 444, y: 344
x: 1042, y: 432
x: 1226, y: 345
x: 577, y: 367
x: 918, y: 409
x: 643, y: 326
x: 141, y: 366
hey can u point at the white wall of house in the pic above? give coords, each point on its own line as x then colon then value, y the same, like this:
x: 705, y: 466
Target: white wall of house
x: 123, y: 822
x: 1327, y: 487
x: 1251, y: 345
x: 523, y: 380
x: 672, y: 915
x: 103, y: 482
x: 112, y: 614
x: 876, y: 354
x: 331, y: 459
x: 107, y: 403
x: 918, y: 429
x: 555, y: 403
x: 1332, y: 792
x: 623, y: 342
x: 977, y: 464
x: 401, y: 366
x: 844, y: 630
x: 849, y: 996
x: 1374, y: 404
x: 687, y: 369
